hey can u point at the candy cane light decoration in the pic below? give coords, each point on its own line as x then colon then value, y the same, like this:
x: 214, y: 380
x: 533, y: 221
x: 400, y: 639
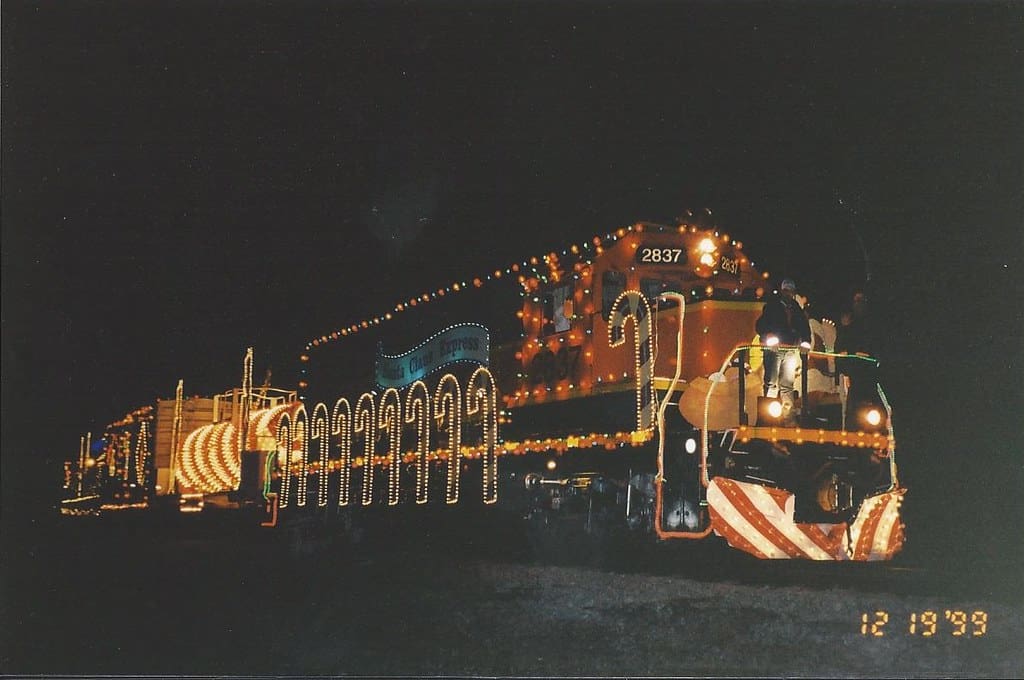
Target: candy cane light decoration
x: 447, y: 412
x: 366, y: 425
x: 391, y: 426
x: 284, y: 443
x: 417, y: 412
x: 341, y: 430
x: 632, y: 304
x: 319, y: 431
x: 482, y: 397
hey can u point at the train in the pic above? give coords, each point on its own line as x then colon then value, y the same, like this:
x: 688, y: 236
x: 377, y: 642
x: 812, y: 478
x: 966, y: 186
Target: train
x: 614, y: 386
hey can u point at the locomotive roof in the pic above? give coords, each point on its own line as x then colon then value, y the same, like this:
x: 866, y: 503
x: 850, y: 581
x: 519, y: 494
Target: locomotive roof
x: 703, y: 251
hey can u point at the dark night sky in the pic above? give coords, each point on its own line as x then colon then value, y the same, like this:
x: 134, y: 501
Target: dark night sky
x: 182, y: 180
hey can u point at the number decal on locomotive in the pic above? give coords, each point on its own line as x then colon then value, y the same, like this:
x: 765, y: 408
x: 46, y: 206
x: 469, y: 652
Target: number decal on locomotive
x: 729, y: 265
x: 659, y: 255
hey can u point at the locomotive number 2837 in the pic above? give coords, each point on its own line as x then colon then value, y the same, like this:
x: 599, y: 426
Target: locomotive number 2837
x: 659, y: 255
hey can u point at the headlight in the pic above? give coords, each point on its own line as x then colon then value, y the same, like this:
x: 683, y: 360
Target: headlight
x: 691, y: 445
x: 769, y: 411
x: 873, y: 417
x: 771, y: 341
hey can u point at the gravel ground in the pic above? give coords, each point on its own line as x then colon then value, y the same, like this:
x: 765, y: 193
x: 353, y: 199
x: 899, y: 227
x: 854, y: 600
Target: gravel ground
x: 102, y: 601
x: 488, y: 618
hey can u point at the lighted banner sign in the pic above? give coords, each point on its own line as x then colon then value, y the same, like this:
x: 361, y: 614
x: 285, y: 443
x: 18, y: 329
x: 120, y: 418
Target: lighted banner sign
x: 462, y: 343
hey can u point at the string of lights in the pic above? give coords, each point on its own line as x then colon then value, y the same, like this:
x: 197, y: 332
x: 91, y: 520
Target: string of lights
x: 391, y: 425
x: 482, y: 398
x: 142, y: 453
x: 584, y: 250
x: 370, y: 422
x: 341, y: 427
x: 176, y: 434
x: 549, y: 445
x: 632, y: 304
x: 300, y: 427
x: 366, y: 424
x: 417, y: 403
x: 319, y: 432
x: 284, y: 443
x: 447, y: 411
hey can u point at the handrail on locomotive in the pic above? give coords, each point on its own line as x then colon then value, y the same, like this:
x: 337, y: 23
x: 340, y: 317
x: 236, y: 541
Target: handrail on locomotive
x: 810, y: 422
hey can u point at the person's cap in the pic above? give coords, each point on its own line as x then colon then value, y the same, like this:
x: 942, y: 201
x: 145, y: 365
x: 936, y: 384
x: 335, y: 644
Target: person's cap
x: 787, y: 284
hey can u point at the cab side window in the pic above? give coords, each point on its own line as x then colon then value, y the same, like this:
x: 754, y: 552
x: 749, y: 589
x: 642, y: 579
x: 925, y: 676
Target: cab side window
x: 653, y: 287
x: 557, y: 310
x: 613, y: 283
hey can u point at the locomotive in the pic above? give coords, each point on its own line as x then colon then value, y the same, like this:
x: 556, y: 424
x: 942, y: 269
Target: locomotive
x: 622, y: 392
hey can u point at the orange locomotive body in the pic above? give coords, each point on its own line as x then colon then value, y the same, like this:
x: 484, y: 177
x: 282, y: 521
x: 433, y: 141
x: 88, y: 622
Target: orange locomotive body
x: 565, y: 354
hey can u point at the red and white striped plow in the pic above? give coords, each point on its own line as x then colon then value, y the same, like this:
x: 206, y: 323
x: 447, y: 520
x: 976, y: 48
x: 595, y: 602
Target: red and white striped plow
x: 759, y: 520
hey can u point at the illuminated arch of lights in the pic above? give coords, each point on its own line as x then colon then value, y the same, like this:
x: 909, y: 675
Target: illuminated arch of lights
x: 632, y: 304
x: 142, y: 453
x: 360, y: 430
x: 209, y: 458
x: 391, y: 427
x: 284, y: 449
x: 482, y: 399
x: 417, y: 405
x: 341, y: 429
x: 366, y: 425
x: 447, y: 413
x: 367, y: 438
x: 319, y: 432
x: 299, y: 450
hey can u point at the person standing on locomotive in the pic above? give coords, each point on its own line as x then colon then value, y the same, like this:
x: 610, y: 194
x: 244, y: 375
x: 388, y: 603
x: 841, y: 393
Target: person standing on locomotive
x: 856, y: 338
x: 783, y: 326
